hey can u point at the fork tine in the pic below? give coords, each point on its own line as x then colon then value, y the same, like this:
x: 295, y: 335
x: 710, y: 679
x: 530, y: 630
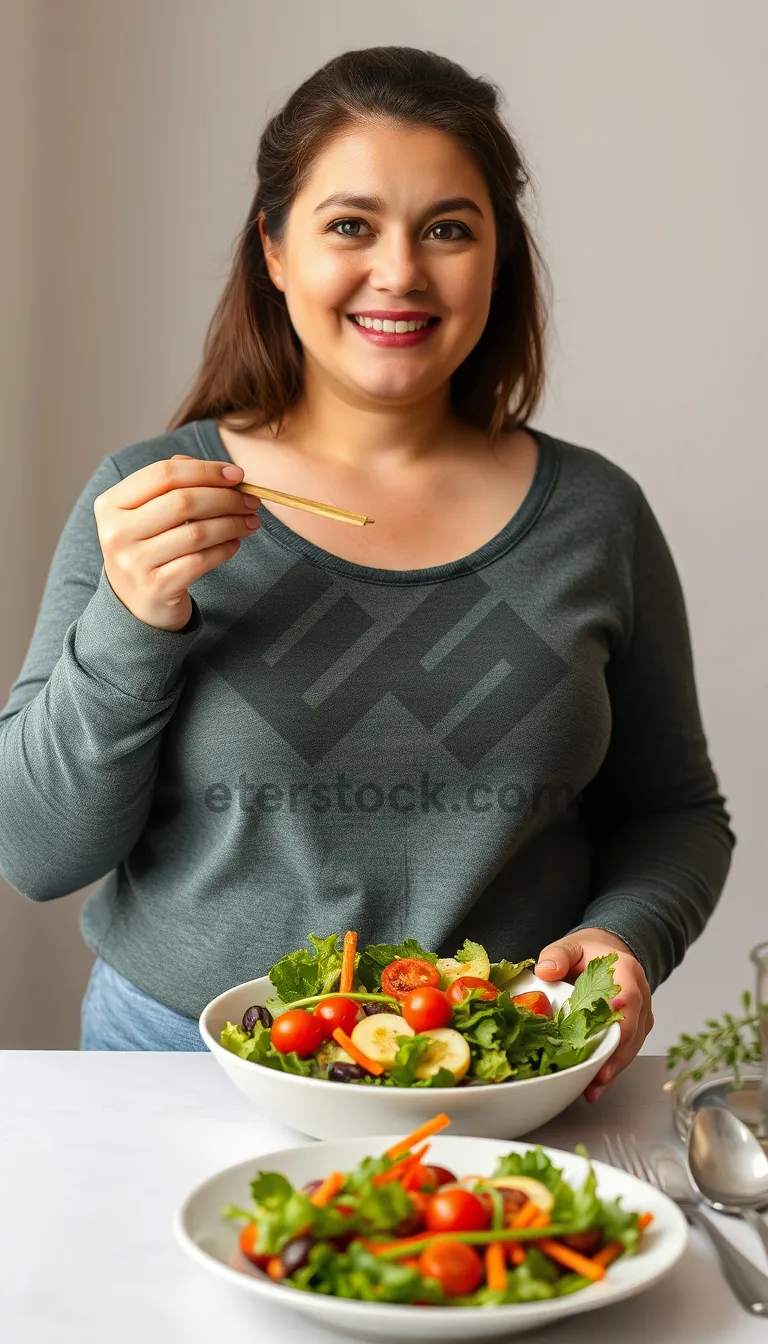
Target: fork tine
x: 642, y: 1166
x: 609, y: 1151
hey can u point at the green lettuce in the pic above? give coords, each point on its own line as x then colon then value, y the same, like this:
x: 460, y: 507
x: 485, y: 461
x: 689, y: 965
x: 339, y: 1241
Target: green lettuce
x: 302, y: 974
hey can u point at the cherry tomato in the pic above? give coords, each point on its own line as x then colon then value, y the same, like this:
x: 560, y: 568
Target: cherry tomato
x: 333, y: 1013
x: 442, y: 1175
x: 536, y: 1002
x: 415, y: 1220
x: 459, y: 990
x: 421, y: 1178
x: 457, y: 1268
x: 456, y: 1210
x: 297, y: 1030
x: 249, y: 1237
x: 408, y: 973
x: 426, y: 1008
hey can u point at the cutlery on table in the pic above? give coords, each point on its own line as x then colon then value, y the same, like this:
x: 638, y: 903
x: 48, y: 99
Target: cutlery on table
x: 728, y: 1165
x: 667, y: 1173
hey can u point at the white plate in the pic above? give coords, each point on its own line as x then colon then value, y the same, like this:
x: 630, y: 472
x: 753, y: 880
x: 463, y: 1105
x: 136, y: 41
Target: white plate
x: 327, y: 1110
x: 212, y: 1242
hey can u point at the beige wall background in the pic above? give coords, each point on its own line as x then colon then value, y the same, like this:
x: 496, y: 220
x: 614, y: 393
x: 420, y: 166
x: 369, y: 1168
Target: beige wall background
x: 128, y: 134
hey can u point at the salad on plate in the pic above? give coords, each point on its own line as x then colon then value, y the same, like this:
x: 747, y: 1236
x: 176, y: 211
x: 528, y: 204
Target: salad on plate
x: 399, y: 1229
x: 400, y: 1016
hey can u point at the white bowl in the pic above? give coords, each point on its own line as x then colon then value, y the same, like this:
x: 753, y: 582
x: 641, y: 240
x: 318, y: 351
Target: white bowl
x: 334, y: 1110
x: 212, y: 1242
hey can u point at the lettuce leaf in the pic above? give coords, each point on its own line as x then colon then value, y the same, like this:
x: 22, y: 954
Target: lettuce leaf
x: 411, y: 1050
x: 299, y: 975
x: 504, y: 972
x: 471, y: 952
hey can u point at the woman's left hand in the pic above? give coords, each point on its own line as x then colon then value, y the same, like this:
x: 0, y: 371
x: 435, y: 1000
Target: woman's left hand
x: 569, y: 956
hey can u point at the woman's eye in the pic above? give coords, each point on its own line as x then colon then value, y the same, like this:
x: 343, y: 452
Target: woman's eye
x: 445, y: 224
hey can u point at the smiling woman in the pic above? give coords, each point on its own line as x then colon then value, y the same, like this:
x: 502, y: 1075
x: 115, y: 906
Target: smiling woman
x: 476, y: 719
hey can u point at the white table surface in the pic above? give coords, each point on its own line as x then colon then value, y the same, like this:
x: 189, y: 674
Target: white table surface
x: 97, y: 1150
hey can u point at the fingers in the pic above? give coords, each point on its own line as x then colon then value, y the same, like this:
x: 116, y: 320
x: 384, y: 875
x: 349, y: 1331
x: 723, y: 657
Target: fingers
x: 186, y: 505
x: 559, y: 959
x: 172, y: 473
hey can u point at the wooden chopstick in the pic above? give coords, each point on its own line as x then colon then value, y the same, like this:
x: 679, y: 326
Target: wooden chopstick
x: 296, y: 502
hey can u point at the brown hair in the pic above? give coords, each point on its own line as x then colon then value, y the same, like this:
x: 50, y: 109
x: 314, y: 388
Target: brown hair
x: 252, y: 358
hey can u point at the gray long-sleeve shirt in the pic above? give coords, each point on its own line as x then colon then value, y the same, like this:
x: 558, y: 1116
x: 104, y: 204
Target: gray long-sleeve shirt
x: 506, y: 747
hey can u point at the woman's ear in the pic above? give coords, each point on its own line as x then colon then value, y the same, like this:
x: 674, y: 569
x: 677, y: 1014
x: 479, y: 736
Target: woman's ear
x: 271, y: 255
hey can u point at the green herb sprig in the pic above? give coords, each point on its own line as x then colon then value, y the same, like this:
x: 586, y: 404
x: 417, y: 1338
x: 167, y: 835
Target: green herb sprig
x: 726, y: 1043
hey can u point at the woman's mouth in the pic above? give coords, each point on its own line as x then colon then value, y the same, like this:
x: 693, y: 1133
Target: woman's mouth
x: 398, y: 334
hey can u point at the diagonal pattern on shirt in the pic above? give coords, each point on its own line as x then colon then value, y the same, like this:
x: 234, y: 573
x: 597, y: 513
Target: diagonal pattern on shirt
x: 487, y: 681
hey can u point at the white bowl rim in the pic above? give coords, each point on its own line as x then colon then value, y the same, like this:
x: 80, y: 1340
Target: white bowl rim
x: 604, y: 1048
x: 397, y: 1311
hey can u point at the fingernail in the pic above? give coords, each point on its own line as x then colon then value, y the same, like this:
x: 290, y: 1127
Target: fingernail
x: 597, y: 1094
x: 232, y: 473
x: 545, y: 965
x: 251, y: 520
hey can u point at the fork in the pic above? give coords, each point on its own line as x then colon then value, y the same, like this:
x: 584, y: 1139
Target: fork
x: 749, y: 1284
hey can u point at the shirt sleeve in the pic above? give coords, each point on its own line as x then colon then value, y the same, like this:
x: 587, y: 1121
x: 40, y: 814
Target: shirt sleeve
x: 81, y: 732
x: 662, y: 841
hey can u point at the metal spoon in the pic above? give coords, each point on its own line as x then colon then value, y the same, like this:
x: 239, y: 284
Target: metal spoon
x: 729, y: 1166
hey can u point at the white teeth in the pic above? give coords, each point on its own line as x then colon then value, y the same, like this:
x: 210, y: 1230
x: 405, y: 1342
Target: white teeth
x: 376, y: 324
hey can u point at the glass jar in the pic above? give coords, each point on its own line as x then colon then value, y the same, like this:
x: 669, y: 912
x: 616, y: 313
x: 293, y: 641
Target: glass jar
x: 750, y: 1101
x: 759, y: 956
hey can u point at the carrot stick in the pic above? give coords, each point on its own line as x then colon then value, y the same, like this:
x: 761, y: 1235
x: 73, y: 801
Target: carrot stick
x: 563, y: 1255
x: 348, y: 962
x: 644, y: 1221
x: 413, y: 1176
x: 607, y: 1254
x: 541, y: 1219
x: 423, y: 1132
x: 275, y: 1268
x: 525, y: 1214
x: 495, y: 1267
x: 516, y: 1253
x: 341, y: 1038
x: 402, y: 1168
x: 325, y: 1192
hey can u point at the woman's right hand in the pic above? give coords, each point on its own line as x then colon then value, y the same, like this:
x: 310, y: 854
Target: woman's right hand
x: 164, y: 526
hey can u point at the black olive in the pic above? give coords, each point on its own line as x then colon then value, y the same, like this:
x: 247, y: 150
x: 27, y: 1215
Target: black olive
x: 370, y: 1008
x: 256, y: 1014
x: 295, y: 1254
x: 346, y: 1073
x: 311, y: 1187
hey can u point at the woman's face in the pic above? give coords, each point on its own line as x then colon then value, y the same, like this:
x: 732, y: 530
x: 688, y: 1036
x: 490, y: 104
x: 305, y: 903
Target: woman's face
x: 417, y: 248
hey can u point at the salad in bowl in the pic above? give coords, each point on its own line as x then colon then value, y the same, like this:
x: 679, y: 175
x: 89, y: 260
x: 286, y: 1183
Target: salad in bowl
x: 501, y: 1051
x: 400, y: 1016
x: 397, y: 1229
x: 430, y: 1236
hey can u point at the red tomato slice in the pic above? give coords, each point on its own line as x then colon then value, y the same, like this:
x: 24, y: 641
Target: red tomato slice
x: 296, y: 1030
x: 457, y: 1268
x: 426, y: 1008
x: 337, y: 1012
x: 399, y: 977
x: 460, y: 989
x: 535, y: 1001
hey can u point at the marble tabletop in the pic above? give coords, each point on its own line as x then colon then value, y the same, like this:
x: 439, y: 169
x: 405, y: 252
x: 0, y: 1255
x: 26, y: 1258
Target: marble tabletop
x: 97, y: 1150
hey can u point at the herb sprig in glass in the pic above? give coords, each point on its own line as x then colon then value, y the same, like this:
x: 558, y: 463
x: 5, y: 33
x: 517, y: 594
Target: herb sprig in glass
x: 726, y: 1043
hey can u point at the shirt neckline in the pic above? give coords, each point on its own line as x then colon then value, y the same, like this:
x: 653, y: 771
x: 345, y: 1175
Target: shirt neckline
x: 514, y: 530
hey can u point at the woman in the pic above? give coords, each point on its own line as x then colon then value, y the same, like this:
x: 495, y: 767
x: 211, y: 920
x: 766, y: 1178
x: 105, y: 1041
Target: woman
x: 475, y: 717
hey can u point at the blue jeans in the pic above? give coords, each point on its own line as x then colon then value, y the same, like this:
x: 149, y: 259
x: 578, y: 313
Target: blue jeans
x: 115, y: 1015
